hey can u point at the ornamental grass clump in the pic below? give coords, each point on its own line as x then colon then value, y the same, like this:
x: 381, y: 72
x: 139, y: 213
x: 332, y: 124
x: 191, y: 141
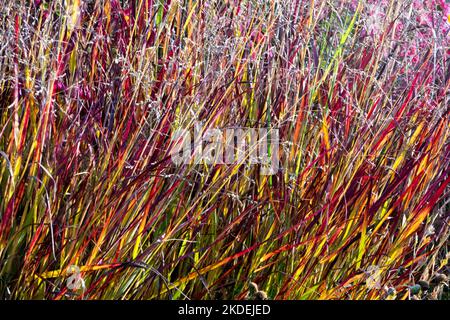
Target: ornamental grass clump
x: 93, y: 207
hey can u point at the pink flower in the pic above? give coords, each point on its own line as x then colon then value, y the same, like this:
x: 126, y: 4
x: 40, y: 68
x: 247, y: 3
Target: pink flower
x: 446, y: 10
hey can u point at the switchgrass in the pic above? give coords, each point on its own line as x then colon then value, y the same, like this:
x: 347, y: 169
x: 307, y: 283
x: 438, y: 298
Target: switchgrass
x: 92, y: 91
